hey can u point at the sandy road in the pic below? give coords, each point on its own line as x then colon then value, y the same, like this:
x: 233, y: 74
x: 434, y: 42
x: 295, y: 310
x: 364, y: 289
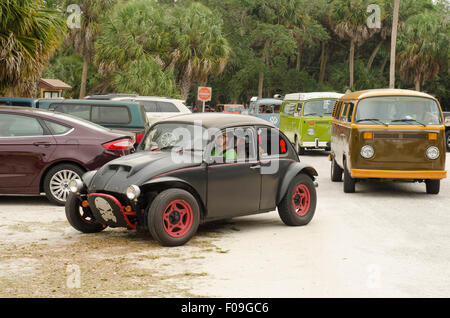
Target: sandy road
x: 386, y: 240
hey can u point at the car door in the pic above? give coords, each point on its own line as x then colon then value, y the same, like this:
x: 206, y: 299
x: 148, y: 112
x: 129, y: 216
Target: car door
x: 234, y: 185
x: 25, y: 147
x: 288, y: 120
x: 273, y: 156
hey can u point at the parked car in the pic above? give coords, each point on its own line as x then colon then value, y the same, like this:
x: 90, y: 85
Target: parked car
x: 43, y: 151
x: 121, y: 115
x: 231, y: 108
x: 223, y: 166
x: 19, y: 101
x: 306, y: 119
x: 267, y: 109
x: 447, y: 129
x: 155, y: 107
x: 388, y: 134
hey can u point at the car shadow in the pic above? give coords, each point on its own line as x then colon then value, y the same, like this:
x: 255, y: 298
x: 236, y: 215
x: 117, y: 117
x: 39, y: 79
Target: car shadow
x: 391, y: 188
x: 315, y: 153
x: 21, y: 199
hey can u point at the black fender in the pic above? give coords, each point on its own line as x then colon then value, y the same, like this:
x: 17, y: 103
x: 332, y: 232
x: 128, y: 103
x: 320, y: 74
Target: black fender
x: 164, y: 183
x: 88, y: 176
x: 293, y: 170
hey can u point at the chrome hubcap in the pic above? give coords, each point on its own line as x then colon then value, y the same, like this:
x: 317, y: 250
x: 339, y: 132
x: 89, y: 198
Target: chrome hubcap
x: 59, y: 183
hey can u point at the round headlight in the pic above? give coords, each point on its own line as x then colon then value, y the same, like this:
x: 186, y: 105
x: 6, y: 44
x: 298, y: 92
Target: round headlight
x: 133, y: 192
x: 432, y: 152
x: 367, y: 151
x: 311, y: 131
x: 75, y: 185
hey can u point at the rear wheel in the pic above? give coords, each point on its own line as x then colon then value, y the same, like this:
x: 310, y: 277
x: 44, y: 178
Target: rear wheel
x: 349, y: 182
x: 433, y: 186
x: 173, y: 217
x: 81, y: 218
x: 57, y: 179
x: 336, y: 171
x: 299, y: 203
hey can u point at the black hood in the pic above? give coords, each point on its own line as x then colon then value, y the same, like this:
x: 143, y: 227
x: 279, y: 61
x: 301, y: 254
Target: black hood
x: 137, y: 168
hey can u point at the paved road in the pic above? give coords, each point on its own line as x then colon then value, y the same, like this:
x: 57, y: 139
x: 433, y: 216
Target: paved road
x: 386, y: 240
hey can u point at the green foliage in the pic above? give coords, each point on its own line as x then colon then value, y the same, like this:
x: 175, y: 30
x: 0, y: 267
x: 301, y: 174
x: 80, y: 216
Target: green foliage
x: 67, y: 65
x: 29, y: 34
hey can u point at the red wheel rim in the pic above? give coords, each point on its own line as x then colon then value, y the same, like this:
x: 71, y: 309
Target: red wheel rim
x: 301, y: 200
x: 178, y: 218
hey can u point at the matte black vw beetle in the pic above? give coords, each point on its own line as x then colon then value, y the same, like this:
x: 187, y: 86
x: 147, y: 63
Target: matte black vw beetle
x: 194, y: 168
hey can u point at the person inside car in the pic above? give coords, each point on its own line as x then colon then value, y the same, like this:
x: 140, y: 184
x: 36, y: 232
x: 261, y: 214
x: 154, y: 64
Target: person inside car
x: 222, y: 147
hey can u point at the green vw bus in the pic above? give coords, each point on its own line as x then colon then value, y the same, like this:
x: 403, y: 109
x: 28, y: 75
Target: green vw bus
x: 305, y: 118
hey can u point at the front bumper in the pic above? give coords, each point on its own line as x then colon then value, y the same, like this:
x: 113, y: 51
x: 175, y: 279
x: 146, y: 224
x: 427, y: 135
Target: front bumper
x: 315, y: 144
x: 398, y: 174
x: 108, y: 210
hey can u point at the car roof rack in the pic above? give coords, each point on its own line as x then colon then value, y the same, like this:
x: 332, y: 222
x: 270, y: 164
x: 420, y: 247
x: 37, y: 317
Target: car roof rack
x: 109, y: 96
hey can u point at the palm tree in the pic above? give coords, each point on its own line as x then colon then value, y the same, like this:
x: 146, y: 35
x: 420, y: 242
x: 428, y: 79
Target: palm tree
x: 199, y: 48
x: 423, y: 47
x: 133, y: 49
x: 348, y: 19
x: 29, y: 35
x: 82, y: 39
x: 393, y: 44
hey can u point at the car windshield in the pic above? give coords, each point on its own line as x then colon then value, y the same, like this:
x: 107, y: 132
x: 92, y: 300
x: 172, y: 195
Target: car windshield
x: 322, y: 107
x: 398, y: 110
x: 174, y: 135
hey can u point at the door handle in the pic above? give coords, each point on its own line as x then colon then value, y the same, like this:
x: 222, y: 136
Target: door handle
x: 42, y: 144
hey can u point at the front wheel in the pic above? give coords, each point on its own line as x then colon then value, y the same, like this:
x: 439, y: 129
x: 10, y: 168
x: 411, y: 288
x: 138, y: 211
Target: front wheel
x: 300, y: 149
x: 81, y: 218
x: 447, y: 138
x: 299, y: 203
x: 349, y: 182
x: 433, y: 186
x: 336, y: 171
x: 173, y: 217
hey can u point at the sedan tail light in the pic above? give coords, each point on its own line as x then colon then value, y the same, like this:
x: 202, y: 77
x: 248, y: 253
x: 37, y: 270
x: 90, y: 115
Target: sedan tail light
x: 119, y: 144
x: 139, y: 136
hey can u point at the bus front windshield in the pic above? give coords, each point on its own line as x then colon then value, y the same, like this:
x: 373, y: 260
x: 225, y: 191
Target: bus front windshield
x: 321, y: 108
x: 398, y: 110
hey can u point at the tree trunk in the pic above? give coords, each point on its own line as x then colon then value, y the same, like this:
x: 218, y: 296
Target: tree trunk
x: 260, y: 84
x: 393, y: 44
x: 185, y: 86
x: 323, y: 62
x: 374, y: 53
x: 383, y: 65
x: 84, y: 77
x: 299, y: 54
x: 351, y: 62
x: 417, y: 83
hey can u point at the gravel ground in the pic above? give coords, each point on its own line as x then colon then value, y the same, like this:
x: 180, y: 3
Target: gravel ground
x: 386, y: 240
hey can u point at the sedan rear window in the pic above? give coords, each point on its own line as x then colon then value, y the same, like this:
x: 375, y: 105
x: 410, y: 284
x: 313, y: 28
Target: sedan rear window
x: 57, y: 129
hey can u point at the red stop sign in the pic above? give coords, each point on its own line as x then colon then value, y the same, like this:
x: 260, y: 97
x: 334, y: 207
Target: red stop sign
x: 204, y: 93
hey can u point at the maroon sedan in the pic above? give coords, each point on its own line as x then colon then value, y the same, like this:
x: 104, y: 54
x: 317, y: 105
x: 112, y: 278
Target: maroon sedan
x: 42, y: 151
